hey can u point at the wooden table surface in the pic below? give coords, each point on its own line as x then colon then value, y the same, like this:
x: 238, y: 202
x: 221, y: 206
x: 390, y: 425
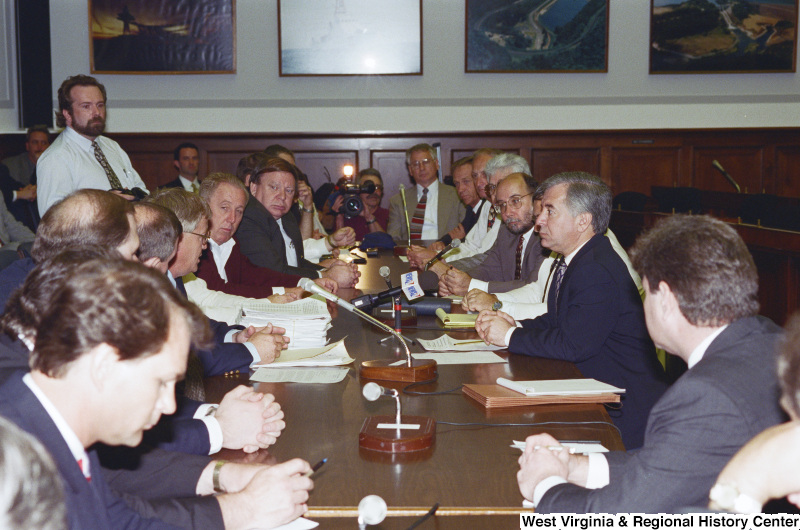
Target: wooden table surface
x: 471, y: 469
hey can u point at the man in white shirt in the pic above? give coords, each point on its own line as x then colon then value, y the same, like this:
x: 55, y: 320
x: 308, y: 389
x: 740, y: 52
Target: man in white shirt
x: 80, y: 157
x: 186, y: 159
x: 701, y: 305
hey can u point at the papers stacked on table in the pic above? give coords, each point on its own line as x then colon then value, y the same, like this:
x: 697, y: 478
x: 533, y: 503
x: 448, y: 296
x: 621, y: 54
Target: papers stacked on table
x: 306, y: 321
x: 332, y: 355
x: 583, y: 448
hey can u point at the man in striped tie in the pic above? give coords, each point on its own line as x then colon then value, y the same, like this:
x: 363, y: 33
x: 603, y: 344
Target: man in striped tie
x: 432, y: 209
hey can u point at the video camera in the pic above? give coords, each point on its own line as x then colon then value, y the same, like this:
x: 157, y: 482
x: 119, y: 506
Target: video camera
x: 352, y: 205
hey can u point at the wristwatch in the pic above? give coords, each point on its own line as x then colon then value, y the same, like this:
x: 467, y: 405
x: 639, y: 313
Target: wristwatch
x: 727, y: 497
x: 497, y: 306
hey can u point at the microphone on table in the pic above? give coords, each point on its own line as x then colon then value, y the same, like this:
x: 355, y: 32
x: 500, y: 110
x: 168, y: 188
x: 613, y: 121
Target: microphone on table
x: 384, y: 272
x: 453, y: 244
x: 309, y: 285
x: 371, y: 510
x: 428, y: 280
x: 725, y: 174
x: 373, y: 391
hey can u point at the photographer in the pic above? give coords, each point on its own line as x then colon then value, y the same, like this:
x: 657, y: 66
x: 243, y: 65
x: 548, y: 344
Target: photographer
x: 371, y: 218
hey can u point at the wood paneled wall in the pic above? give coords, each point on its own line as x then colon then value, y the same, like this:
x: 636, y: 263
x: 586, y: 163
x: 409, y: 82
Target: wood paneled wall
x: 761, y: 160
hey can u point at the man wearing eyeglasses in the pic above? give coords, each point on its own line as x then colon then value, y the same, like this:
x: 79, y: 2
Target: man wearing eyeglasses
x: 433, y: 209
x: 517, y: 252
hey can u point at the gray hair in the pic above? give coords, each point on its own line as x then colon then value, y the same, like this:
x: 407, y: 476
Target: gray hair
x: 31, y: 495
x: 585, y: 193
x: 421, y: 147
x: 507, y: 161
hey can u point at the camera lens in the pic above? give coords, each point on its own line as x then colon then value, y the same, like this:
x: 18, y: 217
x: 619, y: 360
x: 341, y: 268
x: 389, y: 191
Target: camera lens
x: 352, y: 206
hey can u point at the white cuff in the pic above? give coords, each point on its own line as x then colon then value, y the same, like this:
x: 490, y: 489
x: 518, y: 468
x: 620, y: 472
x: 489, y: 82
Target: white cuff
x: 14, y: 196
x: 544, y: 486
x: 508, y: 337
x: 278, y: 290
x: 598, y: 476
x: 479, y: 284
x: 253, y: 351
x: 229, y: 335
x: 205, y: 413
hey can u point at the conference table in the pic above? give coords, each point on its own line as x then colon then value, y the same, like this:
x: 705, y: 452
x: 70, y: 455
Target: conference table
x: 471, y: 468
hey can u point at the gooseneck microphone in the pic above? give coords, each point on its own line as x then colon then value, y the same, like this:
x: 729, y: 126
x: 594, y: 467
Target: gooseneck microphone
x: 725, y: 174
x: 453, y: 244
x: 371, y: 510
x: 427, y: 280
x: 373, y: 391
x: 405, y: 212
x: 309, y: 285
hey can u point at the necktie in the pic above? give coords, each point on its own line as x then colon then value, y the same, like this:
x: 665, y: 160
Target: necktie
x: 561, y: 268
x: 419, y: 216
x: 492, y: 215
x: 195, y: 188
x: 101, y: 157
x: 518, y: 270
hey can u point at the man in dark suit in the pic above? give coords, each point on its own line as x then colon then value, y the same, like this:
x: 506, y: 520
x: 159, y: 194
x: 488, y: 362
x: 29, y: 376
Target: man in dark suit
x: 701, y: 305
x: 270, y: 238
x: 186, y: 159
x: 517, y: 254
x: 443, y: 210
x: 108, y: 379
x: 594, y: 316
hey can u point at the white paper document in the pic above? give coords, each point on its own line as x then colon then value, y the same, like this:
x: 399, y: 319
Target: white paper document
x: 559, y: 387
x: 467, y: 357
x: 448, y: 343
x: 329, y: 375
x: 574, y: 447
x: 331, y: 355
x: 306, y: 321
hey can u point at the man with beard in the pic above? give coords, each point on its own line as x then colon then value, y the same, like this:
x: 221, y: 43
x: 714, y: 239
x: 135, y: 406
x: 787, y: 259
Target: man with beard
x: 80, y: 157
x: 517, y: 252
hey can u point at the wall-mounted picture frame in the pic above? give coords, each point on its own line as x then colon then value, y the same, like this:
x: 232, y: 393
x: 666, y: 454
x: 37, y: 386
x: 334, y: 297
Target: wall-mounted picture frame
x: 536, y: 36
x: 349, y: 37
x: 711, y: 36
x: 162, y: 36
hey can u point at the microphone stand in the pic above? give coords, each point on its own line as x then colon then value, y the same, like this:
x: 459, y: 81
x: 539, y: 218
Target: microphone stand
x: 405, y: 212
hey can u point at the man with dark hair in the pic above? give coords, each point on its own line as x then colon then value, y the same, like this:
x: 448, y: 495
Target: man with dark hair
x: 469, y: 195
x: 433, y: 209
x: 186, y: 159
x: 594, y: 313
x: 270, y: 238
x: 107, y: 325
x: 158, y: 230
x: 701, y: 305
x: 18, y: 177
x: 81, y: 157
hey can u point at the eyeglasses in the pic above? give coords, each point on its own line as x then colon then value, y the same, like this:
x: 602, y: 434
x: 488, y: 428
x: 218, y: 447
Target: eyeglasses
x: 205, y: 237
x: 420, y: 163
x: 514, y: 201
x: 490, y: 188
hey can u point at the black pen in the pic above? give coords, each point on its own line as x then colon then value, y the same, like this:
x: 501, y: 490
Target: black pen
x: 316, y: 467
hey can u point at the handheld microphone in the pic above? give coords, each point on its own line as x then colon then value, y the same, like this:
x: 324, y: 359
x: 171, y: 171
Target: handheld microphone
x: 384, y: 272
x: 371, y: 510
x: 427, y: 280
x: 453, y: 244
x: 405, y: 212
x: 725, y: 174
x: 309, y: 285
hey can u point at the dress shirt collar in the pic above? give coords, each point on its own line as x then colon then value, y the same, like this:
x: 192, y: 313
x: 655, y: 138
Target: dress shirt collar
x: 187, y: 184
x: 69, y: 436
x: 526, y: 238
x: 83, y: 142
x: 221, y: 254
x: 432, y: 190
x: 568, y: 259
x: 171, y: 279
x: 477, y: 207
x: 700, y: 350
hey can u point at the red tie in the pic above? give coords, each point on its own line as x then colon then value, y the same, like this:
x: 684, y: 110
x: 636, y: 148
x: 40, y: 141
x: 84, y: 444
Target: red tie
x: 419, y: 216
x: 518, y: 270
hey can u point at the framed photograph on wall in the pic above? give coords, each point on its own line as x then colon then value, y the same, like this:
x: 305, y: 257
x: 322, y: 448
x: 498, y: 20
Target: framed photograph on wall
x: 735, y: 36
x: 162, y: 36
x: 536, y: 36
x: 350, y: 37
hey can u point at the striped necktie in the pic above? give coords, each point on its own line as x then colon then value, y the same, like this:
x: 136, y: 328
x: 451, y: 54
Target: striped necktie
x: 518, y: 270
x: 561, y: 268
x: 419, y: 216
x: 101, y: 157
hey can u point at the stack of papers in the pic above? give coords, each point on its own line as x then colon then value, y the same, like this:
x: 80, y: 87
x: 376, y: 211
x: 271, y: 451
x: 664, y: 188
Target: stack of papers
x: 448, y: 343
x: 583, y: 448
x: 560, y: 387
x: 332, y: 355
x: 457, y: 320
x: 306, y: 321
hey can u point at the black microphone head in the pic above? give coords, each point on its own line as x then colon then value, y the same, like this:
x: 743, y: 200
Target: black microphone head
x: 428, y: 280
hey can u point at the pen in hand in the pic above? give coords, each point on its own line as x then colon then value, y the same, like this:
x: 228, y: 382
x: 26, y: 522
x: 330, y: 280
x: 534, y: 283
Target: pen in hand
x: 316, y: 467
